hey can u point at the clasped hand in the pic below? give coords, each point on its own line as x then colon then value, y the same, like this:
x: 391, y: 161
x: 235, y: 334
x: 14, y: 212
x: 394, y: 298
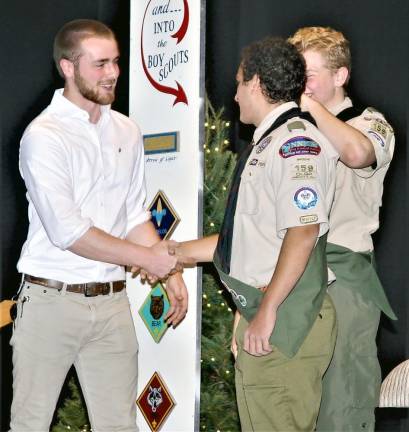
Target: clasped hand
x: 166, y: 264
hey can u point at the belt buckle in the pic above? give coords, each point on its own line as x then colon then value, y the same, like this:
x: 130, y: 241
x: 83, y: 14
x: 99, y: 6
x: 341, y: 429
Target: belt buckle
x: 89, y: 290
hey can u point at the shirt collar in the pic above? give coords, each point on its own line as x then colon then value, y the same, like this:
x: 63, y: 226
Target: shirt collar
x: 346, y: 103
x: 271, y: 117
x: 63, y: 107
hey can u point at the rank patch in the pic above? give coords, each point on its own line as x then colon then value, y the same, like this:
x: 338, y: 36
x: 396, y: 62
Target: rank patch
x: 305, y: 198
x: 153, y: 311
x: 164, y: 217
x: 263, y: 144
x: 161, y: 142
x: 307, y: 219
x: 299, y: 145
x: 155, y: 402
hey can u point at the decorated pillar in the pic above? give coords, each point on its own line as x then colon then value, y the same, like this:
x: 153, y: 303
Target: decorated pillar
x: 167, y: 101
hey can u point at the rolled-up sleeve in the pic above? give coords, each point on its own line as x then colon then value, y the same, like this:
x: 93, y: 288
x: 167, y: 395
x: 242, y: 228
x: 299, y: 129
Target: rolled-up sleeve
x: 45, y: 168
x: 136, y: 200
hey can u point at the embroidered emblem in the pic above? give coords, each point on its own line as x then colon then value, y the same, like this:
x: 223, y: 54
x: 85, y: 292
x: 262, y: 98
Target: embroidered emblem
x: 307, y: 219
x: 299, y: 145
x: 153, y: 311
x: 303, y: 169
x: 377, y: 137
x: 164, y: 217
x: 263, y: 144
x: 305, y: 198
x: 155, y: 402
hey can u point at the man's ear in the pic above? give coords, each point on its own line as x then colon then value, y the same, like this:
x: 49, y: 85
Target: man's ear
x: 67, y: 68
x: 255, y: 82
x: 341, y: 76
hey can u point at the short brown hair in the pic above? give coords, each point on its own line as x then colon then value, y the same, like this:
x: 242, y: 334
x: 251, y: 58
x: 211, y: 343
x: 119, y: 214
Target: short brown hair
x: 68, y: 40
x: 331, y: 43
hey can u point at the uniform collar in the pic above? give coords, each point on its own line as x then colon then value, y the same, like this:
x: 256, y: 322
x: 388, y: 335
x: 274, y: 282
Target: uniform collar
x: 346, y: 103
x: 63, y: 107
x: 270, y: 118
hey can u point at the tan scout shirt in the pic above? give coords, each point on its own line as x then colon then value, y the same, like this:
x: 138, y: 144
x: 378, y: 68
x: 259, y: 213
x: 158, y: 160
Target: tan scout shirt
x: 288, y: 181
x: 358, y: 194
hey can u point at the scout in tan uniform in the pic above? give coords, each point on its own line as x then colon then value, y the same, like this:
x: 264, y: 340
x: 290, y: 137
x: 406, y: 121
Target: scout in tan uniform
x: 365, y: 143
x: 270, y: 253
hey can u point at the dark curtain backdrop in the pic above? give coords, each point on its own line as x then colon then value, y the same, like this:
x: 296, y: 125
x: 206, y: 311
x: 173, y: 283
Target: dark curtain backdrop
x: 378, y: 32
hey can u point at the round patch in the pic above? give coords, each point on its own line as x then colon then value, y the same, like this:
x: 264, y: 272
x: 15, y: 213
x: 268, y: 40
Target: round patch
x: 305, y: 198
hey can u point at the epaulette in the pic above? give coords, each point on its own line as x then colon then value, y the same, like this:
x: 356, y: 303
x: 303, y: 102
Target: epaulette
x: 297, y: 124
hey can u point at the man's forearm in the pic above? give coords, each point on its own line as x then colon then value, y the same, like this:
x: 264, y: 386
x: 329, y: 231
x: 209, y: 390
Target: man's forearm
x: 98, y: 245
x: 201, y: 250
x: 144, y: 234
x: 354, y: 148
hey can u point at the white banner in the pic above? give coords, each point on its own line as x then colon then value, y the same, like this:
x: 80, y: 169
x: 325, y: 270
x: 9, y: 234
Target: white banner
x: 166, y: 100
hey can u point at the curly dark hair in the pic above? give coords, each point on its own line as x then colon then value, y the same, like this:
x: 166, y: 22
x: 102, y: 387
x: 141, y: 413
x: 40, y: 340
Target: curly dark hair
x: 279, y: 66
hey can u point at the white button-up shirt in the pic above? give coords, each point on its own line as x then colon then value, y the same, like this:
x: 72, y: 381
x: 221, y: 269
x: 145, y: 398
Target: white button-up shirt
x: 78, y: 175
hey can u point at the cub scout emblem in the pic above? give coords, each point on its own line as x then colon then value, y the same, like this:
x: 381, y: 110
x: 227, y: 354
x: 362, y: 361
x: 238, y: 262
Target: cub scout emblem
x: 154, y: 310
x: 155, y: 402
x: 299, y: 145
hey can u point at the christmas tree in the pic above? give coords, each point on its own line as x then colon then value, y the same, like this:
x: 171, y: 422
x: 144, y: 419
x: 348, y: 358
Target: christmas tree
x: 218, y: 411
x: 72, y: 416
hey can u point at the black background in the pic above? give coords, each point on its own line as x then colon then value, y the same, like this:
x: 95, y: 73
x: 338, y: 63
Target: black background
x: 378, y: 32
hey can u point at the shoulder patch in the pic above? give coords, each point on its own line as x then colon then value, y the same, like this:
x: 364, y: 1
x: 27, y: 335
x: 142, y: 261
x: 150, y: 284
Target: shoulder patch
x: 297, y: 124
x: 299, y: 145
x: 372, y: 110
x: 305, y: 198
x: 263, y: 144
x: 381, y: 127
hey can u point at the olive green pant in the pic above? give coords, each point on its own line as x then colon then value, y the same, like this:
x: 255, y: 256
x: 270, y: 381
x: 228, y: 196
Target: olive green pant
x: 277, y: 393
x: 352, y: 382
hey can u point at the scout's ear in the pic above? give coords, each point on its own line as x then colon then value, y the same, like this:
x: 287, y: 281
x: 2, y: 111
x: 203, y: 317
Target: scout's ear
x: 341, y: 76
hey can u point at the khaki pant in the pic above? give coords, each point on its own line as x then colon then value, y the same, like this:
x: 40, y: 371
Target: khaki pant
x: 55, y: 330
x: 352, y: 382
x: 277, y: 393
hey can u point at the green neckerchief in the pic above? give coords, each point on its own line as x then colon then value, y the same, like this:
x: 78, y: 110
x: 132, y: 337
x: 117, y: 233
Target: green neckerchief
x: 358, y: 271
x: 297, y: 314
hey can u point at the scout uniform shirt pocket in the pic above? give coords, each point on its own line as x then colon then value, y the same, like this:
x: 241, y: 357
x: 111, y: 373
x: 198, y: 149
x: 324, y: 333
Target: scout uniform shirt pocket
x: 250, y: 186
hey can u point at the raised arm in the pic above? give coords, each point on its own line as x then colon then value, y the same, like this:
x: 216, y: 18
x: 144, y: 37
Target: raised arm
x: 354, y: 148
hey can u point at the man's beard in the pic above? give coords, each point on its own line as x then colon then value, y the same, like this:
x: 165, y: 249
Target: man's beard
x: 92, y: 94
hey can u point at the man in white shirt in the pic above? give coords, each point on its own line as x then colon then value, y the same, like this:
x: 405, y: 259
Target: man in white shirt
x: 365, y: 142
x: 83, y: 166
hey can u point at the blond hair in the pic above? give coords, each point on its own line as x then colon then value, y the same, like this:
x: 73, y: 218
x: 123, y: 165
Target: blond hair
x: 331, y: 44
x: 67, y: 42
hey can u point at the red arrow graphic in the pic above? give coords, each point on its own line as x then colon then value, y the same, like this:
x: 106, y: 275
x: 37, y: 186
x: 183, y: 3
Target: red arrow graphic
x: 180, y: 34
x: 178, y: 92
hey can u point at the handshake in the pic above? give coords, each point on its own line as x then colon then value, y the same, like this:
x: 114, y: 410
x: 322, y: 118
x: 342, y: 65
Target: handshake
x: 163, y: 259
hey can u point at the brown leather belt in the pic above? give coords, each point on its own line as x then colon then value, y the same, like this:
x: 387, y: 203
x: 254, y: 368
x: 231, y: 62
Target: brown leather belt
x: 89, y: 289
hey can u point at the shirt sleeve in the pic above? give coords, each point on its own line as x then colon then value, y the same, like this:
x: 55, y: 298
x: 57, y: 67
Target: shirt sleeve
x: 374, y: 126
x: 44, y: 166
x: 300, y: 176
x: 135, y: 202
